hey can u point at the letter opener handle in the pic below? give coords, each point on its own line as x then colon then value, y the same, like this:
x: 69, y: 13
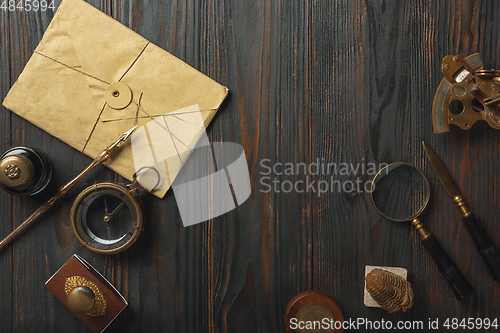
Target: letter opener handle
x: 484, y: 245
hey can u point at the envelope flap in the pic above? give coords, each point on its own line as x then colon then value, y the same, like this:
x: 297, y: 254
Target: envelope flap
x: 104, y: 47
x: 56, y: 44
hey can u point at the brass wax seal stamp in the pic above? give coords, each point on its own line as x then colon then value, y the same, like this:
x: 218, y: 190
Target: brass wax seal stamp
x: 86, y: 293
x: 83, y: 296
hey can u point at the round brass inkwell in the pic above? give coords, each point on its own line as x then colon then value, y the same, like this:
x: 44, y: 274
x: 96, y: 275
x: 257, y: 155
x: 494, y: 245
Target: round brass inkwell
x: 24, y: 171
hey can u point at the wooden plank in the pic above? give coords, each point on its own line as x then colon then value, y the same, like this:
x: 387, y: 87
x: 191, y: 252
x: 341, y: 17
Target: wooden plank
x: 360, y: 115
x: 334, y: 82
x: 268, y: 70
x: 5, y: 199
x: 211, y: 271
x: 464, y: 29
x: 34, y: 254
x: 388, y: 105
x: 49, y: 243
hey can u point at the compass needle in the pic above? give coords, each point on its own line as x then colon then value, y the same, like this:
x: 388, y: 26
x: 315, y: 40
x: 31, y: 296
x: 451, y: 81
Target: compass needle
x: 106, y: 214
x: 116, y: 209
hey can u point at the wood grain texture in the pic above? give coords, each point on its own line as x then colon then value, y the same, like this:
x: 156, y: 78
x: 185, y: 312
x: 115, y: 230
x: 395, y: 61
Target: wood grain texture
x: 6, y: 287
x: 361, y: 62
x: 310, y: 81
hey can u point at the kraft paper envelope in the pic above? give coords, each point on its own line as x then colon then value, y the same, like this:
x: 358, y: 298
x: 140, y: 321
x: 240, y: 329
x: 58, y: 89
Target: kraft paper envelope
x: 90, y: 75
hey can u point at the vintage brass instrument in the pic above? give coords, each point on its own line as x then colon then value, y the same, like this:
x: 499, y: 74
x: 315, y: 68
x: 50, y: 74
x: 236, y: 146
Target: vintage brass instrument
x: 467, y: 94
x: 107, y: 218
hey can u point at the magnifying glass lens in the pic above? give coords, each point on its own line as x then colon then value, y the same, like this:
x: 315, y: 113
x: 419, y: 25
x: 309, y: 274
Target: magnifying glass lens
x: 400, y: 192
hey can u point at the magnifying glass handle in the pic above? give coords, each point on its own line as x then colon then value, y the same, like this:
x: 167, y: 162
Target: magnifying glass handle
x: 461, y: 288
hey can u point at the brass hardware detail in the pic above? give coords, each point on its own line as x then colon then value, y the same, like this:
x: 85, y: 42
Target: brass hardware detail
x: 424, y: 233
x: 81, y: 300
x: 77, y: 291
x: 84, y: 235
x: 18, y: 171
x: 12, y: 171
x: 464, y: 210
x: 467, y: 94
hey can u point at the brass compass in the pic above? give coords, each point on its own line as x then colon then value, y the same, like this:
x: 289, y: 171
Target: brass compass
x: 107, y: 218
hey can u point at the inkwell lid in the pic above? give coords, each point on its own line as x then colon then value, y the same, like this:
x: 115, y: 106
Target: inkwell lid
x: 16, y: 171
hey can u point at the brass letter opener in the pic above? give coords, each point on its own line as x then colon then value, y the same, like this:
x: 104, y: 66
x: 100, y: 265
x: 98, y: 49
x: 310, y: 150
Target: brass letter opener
x: 484, y: 245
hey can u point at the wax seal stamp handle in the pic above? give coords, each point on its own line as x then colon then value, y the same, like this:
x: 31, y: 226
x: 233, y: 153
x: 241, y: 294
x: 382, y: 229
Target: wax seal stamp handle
x: 81, y: 299
x: 84, y: 297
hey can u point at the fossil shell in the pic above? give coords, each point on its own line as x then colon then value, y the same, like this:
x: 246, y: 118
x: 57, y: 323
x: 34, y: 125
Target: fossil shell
x: 389, y: 290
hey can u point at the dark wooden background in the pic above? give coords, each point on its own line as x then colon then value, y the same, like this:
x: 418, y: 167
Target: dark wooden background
x: 342, y: 81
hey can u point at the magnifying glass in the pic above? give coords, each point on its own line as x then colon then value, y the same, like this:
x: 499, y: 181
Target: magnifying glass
x: 400, y: 192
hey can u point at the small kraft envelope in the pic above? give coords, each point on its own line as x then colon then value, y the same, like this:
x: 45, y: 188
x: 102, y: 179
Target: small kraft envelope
x: 91, y: 77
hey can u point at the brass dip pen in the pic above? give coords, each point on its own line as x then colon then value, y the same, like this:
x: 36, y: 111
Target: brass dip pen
x: 484, y: 245
x: 63, y: 190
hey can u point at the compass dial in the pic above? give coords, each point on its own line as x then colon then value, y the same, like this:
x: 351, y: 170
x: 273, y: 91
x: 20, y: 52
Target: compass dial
x: 106, y: 218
